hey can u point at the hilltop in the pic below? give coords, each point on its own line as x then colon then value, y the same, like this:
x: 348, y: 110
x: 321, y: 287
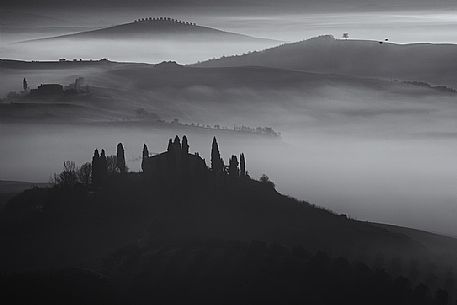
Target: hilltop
x: 160, y: 28
x: 434, y: 63
x: 219, y: 202
x: 179, y: 224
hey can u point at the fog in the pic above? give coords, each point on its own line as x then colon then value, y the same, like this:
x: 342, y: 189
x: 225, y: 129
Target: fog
x: 375, y: 151
x: 399, y: 27
x: 381, y: 155
x: 131, y: 50
x: 408, y: 182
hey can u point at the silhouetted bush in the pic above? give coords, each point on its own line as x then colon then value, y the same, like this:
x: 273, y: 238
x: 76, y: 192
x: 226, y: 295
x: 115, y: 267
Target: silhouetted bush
x: 266, y: 180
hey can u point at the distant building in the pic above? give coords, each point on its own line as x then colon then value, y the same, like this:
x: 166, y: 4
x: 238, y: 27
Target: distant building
x: 175, y: 162
x: 47, y: 90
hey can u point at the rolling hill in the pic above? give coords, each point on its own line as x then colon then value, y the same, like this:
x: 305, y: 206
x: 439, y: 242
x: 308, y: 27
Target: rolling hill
x: 161, y: 28
x: 135, y: 237
x: 120, y: 89
x: 434, y: 63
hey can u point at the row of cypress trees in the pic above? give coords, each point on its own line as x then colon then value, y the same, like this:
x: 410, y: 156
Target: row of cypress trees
x: 100, y: 164
x: 218, y: 167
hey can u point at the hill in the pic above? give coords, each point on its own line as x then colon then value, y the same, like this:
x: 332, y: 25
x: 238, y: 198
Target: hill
x: 8, y: 189
x: 181, y: 226
x: 434, y: 63
x: 169, y: 90
x: 161, y: 28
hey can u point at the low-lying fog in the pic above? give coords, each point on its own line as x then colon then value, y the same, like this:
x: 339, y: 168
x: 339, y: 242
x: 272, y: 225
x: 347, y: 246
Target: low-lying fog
x: 381, y: 151
x: 373, y: 156
x: 399, y: 27
x: 406, y: 181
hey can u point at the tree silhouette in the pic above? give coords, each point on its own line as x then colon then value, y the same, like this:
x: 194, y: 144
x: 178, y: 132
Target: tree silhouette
x: 170, y: 146
x: 266, y: 180
x: 84, y: 173
x: 217, y: 165
x: 145, y: 156
x: 177, y: 144
x: 103, y: 166
x: 242, y: 165
x: 25, y: 85
x: 68, y: 177
x: 233, y: 167
x: 120, y: 158
x: 96, y: 168
x: 185, y: 146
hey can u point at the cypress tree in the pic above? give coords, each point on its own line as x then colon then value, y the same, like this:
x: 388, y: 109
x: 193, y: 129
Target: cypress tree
x: 120, y: 158
x: 216, y: 162
x: 96, y: 168
x: 233, y: 167
x: 170, y: 146
x: 145, y: 156
x: 185, y: 145
x: 242, y: 165
x: 177, y: 144
x: 25, y: 85
x: 103, y: 166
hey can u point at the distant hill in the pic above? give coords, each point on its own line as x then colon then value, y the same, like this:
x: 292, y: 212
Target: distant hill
x: 434, y: 63
x: 8, y: 189
x: 169, y: 81
x: 161, y: 28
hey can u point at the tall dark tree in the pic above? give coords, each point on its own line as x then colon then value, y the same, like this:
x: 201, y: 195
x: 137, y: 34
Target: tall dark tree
x: 185, y: 146
x: 103, y: 166
x: 217, y: 165
x: 145, y: 156
x: 120, y: 158
x: 242, y: 165
x: 96, y: 168
x: 177, y: 144
x: 25, y: 85
x: 170, y: 146
x: 233, y: 167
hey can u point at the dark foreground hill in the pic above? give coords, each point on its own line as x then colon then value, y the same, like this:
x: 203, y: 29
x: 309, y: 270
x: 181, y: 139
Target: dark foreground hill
x: 434, y: 63
x: 180, y: 232
x: 194, y: 243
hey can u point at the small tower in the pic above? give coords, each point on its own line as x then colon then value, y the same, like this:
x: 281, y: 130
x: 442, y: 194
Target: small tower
x: 25, y: 85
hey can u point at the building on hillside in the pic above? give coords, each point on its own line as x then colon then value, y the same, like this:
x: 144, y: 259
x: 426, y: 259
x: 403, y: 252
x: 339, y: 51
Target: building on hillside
x: 48, y: 90
x: 176, y: 162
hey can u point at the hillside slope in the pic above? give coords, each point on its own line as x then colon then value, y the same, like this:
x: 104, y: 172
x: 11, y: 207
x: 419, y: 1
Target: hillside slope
x: 163, y: 28
x: 435, y: 63
x: 133, y: 207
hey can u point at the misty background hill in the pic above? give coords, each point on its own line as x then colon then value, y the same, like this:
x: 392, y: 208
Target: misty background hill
x: 434, y: 63
x: 119, y: 90
x: 161, y: 29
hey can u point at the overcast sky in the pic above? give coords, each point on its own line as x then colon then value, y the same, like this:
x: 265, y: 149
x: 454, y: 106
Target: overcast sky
x: 251, y: 5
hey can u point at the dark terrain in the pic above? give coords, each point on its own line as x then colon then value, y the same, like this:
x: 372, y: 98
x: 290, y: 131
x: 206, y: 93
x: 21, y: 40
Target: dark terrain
x: 179, y: 232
